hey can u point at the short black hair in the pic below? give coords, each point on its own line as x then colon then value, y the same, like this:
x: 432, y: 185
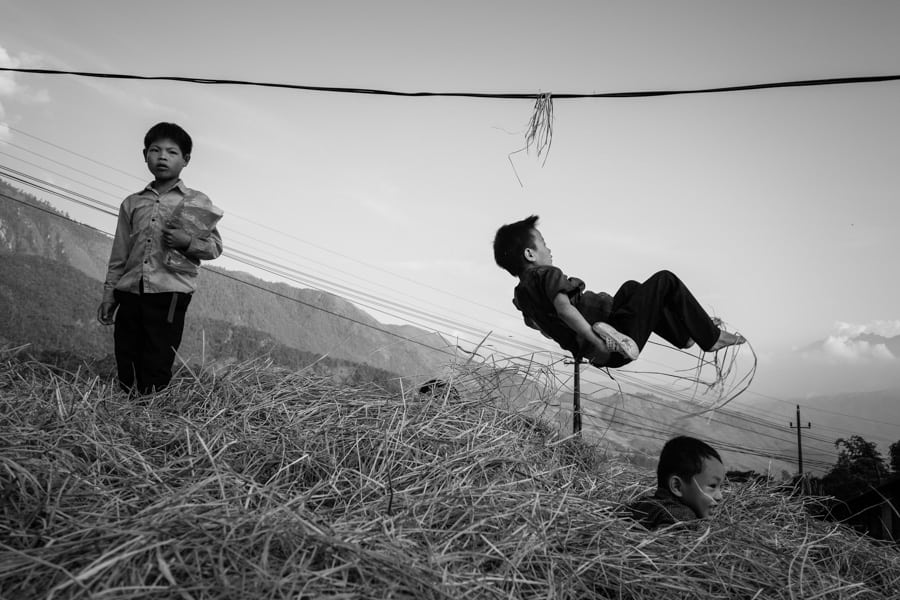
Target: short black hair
x: 683, y: 456
x: 169, y: 131
x: 510, y: 243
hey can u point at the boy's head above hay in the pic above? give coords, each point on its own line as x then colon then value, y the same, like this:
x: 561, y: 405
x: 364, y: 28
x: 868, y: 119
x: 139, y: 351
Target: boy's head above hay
x: 692, y: 471
x: 520, y: 245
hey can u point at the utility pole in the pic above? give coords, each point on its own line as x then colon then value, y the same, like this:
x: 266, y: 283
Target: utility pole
x: 798, y: 427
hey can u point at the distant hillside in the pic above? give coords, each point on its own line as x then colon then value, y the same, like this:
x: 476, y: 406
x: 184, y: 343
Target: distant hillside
x: 30, y: 226
x: 873, y: 415
x: 62, y: 324
x: 633, y: 421
x: 291, y: 317
x: 298, y: 318
x: 51, y: 305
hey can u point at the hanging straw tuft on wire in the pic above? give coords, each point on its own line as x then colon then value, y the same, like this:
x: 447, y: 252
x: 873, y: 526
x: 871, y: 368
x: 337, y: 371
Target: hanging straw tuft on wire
x: 540, y: 127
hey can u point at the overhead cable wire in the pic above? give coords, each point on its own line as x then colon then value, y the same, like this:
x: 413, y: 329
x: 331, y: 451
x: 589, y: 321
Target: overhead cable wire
x: 85, y: 157
x: 463, y: 94
x: 640, y: 420
x: 826, y: 411
x: 660, y: 391
x: 58, y: 174
x: 666, y: 430
x: 50, y: 190
x: 60, y: 190
x: 53, y: 213
x: 788, y: 439
x: 62, y: 164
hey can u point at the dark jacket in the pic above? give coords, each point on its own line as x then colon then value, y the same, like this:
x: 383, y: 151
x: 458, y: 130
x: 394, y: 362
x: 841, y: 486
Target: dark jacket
x: 659, y: 509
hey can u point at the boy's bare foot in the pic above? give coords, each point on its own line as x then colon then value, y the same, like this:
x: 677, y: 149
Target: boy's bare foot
x: 727, y: 339
x: 616, y: 341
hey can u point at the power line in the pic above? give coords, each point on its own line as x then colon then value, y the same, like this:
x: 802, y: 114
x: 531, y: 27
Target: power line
x: 667, y: 430
x: 753, y: 420
x: 8, y: 143
x: 45, y: 188
x: 330, y: 268
x: 50, y: 190
x: 250, y: 284
x: 830, y: 412
x: 255, y: 262
x: 489, y: 95
x: 249, y: 259
x: 58, y: 174
x: 38, y: 183
x: 407, y: 313
x: 87, y: 158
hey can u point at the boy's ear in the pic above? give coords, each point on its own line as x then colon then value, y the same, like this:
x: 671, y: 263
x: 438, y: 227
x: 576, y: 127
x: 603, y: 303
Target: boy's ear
x: 529, y: 254
x: 675, y: 485
x: 187, y: 159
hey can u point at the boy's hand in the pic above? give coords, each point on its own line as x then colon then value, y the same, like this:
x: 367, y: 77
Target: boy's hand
x: 176, y: 238
x: 106, y: 313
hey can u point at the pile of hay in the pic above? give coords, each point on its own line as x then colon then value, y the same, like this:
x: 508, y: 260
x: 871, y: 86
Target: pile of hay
x: 261, y: 483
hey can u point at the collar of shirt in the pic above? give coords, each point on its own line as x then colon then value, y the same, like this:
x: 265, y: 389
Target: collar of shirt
x: 179, y: 185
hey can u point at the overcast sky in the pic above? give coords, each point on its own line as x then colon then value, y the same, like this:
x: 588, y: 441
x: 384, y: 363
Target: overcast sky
x: 778, y: 208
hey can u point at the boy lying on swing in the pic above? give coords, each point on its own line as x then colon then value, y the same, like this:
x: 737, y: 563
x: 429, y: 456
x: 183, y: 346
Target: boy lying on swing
x: 608, y: 331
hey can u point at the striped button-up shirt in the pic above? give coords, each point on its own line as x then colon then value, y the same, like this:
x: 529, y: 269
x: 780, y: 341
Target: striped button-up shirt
x: 138, y: 252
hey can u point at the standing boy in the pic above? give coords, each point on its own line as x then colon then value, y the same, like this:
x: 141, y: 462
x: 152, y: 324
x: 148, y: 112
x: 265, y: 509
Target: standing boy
x: 689, y: 481
x: 610, y: 331
x: 144, y: 293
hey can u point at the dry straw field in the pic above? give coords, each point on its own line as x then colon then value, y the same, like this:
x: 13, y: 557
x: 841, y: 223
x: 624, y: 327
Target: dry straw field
x: 259, y: 483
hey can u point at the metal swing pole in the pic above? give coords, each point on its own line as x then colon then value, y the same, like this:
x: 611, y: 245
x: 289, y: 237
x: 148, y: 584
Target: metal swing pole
x: 576, y: 400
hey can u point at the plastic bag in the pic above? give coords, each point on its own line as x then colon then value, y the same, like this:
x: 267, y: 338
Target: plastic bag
x: 197, y: 221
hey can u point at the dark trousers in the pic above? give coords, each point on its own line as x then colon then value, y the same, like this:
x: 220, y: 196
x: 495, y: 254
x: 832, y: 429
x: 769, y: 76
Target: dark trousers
x: 147, y: 334
x: 665, y: 306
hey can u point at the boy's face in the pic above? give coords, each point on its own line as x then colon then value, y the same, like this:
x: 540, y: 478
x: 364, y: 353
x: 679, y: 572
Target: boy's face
x: 540, y: 255
x: 165, y: 160
x: 703, y: 491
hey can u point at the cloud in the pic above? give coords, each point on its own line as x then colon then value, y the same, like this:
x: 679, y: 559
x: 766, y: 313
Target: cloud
x: 8, y: 85
x: 886, y: 329
x: 11, y: 88
x: 846, y: 349
x: 852, y: 344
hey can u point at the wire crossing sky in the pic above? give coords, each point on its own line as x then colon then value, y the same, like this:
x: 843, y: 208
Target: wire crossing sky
x: 495, y: 95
